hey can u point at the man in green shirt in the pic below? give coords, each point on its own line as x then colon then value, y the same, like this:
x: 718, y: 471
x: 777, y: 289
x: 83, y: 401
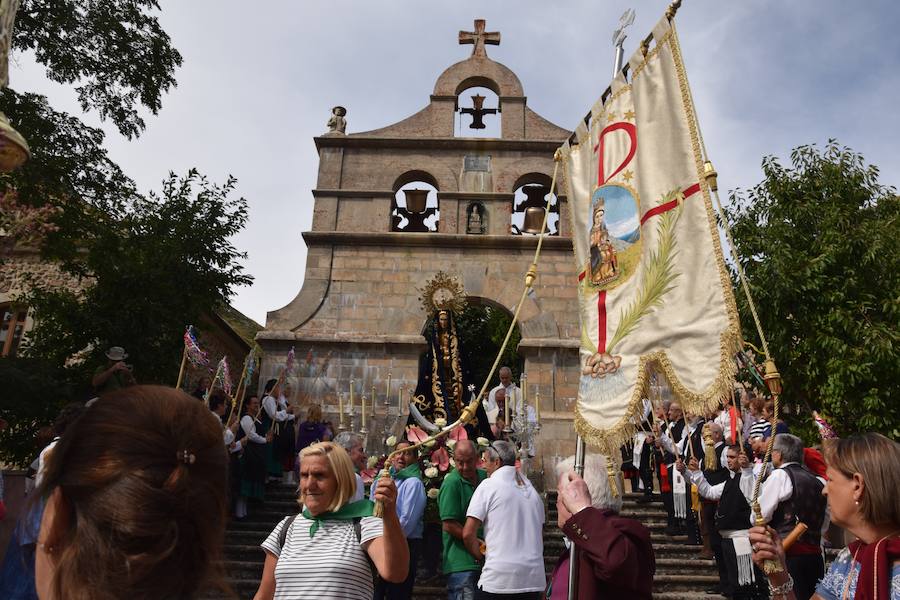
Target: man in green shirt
x: 460, y: 567
x: 116, y: 374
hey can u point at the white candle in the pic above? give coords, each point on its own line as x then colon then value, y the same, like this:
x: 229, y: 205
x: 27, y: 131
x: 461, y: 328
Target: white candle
x: 537, y: 404
x: 400, y: 400
x: 351, y: 397
x: 341, y: 408
x: 387, y: 392
x: 363, y: 404
x: 524, y: 407
x: 373, y: 399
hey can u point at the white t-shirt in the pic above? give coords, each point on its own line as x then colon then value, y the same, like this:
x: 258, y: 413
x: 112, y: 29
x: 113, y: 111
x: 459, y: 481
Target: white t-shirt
x: 513, y: 517
x: 331, y: 565
x: 360, y: 489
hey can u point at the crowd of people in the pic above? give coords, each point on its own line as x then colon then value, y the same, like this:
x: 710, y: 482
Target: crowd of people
x: 121, y: 510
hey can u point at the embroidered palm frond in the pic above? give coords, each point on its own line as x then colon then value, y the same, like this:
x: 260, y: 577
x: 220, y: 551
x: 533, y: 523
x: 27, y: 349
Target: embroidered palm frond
x: 659, y: 274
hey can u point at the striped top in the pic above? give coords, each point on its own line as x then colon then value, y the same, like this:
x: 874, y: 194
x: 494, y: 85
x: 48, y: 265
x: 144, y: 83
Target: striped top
x: 332, y: 565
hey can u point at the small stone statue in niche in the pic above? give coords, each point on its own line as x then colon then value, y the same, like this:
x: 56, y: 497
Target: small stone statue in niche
x: 337, y: 123
x: 475, y: 221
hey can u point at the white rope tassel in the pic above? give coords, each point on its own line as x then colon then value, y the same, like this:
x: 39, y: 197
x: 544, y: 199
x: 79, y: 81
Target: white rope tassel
x: 679, y: 494
x: 744, y: 561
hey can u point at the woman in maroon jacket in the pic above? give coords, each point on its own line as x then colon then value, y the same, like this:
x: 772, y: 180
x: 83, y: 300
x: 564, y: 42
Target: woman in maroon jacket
x: 615, y: 555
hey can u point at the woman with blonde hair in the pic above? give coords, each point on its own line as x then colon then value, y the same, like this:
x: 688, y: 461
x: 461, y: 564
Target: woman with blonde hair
x: 862, y: 490
x: 329, y: 549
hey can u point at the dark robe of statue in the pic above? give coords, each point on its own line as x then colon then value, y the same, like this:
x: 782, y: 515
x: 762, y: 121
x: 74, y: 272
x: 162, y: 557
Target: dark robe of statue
x: 444, y: 378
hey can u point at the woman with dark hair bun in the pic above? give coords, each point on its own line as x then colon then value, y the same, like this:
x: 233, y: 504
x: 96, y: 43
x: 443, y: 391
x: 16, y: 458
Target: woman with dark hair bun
x: 134, y: 512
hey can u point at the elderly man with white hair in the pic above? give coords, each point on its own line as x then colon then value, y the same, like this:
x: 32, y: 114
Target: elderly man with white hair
x: 353, y: 444
x: 512, y: 513
x: 615, y: 557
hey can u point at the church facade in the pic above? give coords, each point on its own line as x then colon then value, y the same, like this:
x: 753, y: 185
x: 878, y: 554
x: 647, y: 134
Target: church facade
x: 394, y: 206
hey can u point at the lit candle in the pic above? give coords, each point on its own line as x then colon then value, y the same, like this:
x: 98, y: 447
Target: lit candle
x: 373, y: 399
x: 351, y: 397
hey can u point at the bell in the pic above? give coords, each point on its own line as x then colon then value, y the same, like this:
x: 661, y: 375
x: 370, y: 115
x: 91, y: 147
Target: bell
x: 534, y: 219
x: 415, y: 200
x: 13, y: 148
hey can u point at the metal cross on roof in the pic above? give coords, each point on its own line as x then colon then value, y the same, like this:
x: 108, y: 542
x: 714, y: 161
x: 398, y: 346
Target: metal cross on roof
x: 479, y: 38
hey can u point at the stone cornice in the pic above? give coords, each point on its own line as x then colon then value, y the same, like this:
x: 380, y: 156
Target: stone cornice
x: 364, y: 340
x: 434, y: 240
x: 569, y: 344
x: 478, y: 144
x: 317, y: 193
x: 452, y: 195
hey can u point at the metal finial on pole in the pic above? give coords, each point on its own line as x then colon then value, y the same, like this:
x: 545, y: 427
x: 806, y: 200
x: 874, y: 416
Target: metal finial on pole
x: 619, y: 36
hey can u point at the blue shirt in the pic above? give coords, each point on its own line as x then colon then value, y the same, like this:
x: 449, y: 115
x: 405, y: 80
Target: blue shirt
x: 411, y: 507
x: 832, y: 585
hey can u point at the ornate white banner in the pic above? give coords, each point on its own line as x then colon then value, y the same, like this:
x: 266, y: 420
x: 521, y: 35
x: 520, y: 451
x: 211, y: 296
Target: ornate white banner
x: 653, y: 288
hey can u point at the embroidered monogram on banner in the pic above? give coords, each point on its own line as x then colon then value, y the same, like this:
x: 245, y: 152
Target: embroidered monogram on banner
x: 653, y: 289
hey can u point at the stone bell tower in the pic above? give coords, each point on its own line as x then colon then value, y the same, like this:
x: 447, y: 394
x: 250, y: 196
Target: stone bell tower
x: 395, y: 205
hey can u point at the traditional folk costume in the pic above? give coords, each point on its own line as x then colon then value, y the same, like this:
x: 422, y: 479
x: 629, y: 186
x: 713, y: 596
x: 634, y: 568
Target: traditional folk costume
x: 715, y: 472
x: 680, y: 440
x: 642, y: 454
x: 284, y: 449
x: 253, y: 461
x: 280, y: 417
x: 743, y: 580
x: 791, y: 495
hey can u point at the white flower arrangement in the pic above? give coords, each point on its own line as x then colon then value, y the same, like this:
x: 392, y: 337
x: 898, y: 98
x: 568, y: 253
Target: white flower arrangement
x: 451, y: 444
x: 433, y: 493
x: 391, y: 441
x: 440, y: 422
x: 483, y: 441
x: 431, y: 472
x: 373, y: 460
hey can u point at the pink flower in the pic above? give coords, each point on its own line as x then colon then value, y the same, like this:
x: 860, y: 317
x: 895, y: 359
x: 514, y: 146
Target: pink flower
x: 416, y: 434
x: 441, y: 458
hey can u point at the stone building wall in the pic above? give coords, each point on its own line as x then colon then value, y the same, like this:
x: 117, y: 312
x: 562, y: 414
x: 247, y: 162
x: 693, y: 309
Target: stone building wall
x: 359, y: 305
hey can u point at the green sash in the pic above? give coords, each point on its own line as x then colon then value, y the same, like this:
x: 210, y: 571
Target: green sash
x: 409, y: 471
x: 360, y: 508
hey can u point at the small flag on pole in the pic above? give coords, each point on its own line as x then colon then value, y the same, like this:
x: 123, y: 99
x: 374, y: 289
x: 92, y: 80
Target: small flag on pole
x: 192, y: 349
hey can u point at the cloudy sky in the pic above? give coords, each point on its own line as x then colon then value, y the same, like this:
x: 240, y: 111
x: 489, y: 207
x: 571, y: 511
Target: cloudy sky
x: 259, y: 79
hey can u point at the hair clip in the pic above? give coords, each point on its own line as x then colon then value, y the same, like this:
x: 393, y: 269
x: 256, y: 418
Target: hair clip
x: 186, y: 457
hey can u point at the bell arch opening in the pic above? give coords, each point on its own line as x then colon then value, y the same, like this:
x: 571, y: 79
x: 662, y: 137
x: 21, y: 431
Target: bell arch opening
x: 529, y: 204
x: 415, y: 205
x: 477, y: 110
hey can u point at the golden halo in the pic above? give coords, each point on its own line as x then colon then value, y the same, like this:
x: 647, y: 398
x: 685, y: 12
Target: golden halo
x: 443, y: 292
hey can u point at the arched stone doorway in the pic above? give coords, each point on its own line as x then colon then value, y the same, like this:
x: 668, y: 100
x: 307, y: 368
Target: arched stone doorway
x: 481, y: 328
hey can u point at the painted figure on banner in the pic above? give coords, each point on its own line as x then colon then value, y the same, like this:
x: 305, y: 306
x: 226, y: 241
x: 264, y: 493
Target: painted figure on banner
x: 604, y: 265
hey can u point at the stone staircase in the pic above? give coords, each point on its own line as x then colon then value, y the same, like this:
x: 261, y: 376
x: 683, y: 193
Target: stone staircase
x: 680, y: 573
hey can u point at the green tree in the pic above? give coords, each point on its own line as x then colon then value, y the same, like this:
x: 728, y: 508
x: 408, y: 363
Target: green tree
x: 164, y: 262
x: 115, y: 53
x: 819, y: 241
x: 481, y: 328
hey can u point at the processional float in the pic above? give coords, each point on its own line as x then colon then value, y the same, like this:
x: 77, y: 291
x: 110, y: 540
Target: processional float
x: 654, y: 293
